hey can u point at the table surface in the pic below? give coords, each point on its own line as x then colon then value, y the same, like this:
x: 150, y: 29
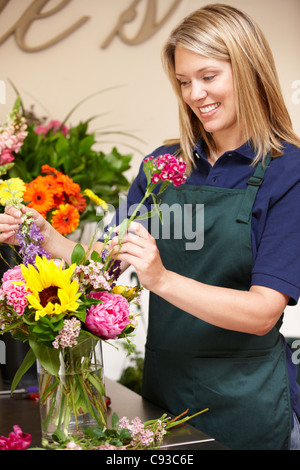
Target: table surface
x: 25, y: 413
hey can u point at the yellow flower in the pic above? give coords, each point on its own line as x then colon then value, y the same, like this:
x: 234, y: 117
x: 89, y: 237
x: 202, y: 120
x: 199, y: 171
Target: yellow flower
x: 97, y: 200
x: 13, y: 187
x: 128, y: 292
x: 52, y: 290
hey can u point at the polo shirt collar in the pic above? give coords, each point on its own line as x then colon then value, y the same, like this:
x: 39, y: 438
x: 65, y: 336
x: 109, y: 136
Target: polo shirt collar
x: 245, y: 150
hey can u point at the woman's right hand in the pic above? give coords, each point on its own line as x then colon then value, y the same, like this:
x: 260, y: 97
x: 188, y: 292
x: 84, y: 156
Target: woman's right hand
x: 56, y: 244
x: 10, y: 221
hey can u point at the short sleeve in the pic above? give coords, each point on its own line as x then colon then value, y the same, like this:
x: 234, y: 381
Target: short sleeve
x: 277, y: 262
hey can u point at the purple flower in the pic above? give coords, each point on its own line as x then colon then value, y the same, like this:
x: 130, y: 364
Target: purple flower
x: 31, y: 244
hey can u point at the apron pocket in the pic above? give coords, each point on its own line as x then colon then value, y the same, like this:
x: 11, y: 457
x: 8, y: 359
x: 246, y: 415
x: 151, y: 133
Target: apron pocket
x: 248, y: 405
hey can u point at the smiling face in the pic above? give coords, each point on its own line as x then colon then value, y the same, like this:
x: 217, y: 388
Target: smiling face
x: 207, y: 88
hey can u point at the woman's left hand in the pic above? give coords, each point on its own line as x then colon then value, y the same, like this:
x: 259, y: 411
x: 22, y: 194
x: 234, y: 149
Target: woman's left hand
x: 139, y: 249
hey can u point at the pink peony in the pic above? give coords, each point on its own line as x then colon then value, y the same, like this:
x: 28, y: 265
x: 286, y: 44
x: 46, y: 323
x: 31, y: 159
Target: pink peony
x: 109, y: 317
x: 17, y: 440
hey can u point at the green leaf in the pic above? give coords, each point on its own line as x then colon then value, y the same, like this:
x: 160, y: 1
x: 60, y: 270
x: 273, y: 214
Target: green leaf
x: 148, y: 172
x: 28, y: 361
x: 95, y: 256
x: 94, y: 432
x: 114, y: 420
x: 62, y: 146
x: 78, y: 254
x: 163, y: 186
x: 60, y: 436
x: 47, y: 357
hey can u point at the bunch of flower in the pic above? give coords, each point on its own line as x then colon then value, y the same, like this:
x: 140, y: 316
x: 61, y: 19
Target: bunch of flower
x: 58, y: 199
x: 55, y: 307
x: 71, y: 151
x: 45, y: 302
x: 39, y: 300
x: 125, y: 434
x: 68, y: 335
x: 12, y: 135
x: 29, y: 236
x: 167, y: 168
x: 160, y: 172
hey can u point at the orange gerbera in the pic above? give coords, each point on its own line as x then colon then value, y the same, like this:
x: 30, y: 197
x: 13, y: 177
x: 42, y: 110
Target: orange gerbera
x: 39, y: 197
x: 50, y: 170
x: 77, y: 200
x: 67, y: 184
x: 65, y: 219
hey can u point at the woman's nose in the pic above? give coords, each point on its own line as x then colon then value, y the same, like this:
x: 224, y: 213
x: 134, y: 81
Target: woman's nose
x: 198, y: 92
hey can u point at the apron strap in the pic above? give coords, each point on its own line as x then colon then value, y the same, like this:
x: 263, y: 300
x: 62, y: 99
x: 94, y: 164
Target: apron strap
x: 253, y: 185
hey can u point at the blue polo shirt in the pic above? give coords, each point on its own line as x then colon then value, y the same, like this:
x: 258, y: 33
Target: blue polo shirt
x: 275, y: 228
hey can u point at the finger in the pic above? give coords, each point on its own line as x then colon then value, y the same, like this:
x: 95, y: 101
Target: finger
x: 7, y: 228
x: 135, y: 239
x: 138, y: 229
x: 133, y: 249
x: 5, y: 237
x: 12, y: 212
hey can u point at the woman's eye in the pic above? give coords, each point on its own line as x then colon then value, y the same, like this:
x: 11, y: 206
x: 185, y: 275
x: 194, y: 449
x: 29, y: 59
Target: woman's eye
x: 209, y: 78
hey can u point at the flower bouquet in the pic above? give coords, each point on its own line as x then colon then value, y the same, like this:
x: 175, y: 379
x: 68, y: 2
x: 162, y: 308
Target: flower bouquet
x: 65, y: 311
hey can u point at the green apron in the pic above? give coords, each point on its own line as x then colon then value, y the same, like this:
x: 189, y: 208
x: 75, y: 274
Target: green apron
x: 191, y: 364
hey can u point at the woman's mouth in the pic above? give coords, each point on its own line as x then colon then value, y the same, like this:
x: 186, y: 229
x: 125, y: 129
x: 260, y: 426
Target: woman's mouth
x: 209, y: 108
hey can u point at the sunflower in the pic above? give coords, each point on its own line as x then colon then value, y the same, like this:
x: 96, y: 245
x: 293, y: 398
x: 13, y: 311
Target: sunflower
x: 51, y: 288
x: 39, y: 196
x: 13, y: 187
x: 65, y: 219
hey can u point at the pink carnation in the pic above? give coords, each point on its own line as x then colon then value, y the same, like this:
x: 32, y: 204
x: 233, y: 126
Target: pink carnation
x: 109, y: 317
x: 167, y: 168
x: 14, y: 274
x: 17, y: 440
x: 15, y: 294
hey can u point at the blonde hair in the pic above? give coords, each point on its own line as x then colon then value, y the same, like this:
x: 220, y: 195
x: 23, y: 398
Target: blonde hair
x: 225, y: 33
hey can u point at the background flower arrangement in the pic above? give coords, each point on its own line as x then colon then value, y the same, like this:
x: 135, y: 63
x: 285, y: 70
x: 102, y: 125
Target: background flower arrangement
x: 94, y: 177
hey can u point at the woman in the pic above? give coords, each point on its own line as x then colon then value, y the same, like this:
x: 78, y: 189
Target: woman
x: 215, y: 312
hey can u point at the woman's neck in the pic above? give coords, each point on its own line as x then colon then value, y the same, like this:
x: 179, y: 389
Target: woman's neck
x: 225, y: 144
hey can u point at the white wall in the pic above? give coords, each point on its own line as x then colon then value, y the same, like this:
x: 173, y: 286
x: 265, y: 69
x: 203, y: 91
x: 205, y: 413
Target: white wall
x: 59, y: 77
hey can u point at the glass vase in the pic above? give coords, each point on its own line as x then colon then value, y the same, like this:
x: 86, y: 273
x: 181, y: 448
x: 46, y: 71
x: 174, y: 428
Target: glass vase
x: 76, y: 396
